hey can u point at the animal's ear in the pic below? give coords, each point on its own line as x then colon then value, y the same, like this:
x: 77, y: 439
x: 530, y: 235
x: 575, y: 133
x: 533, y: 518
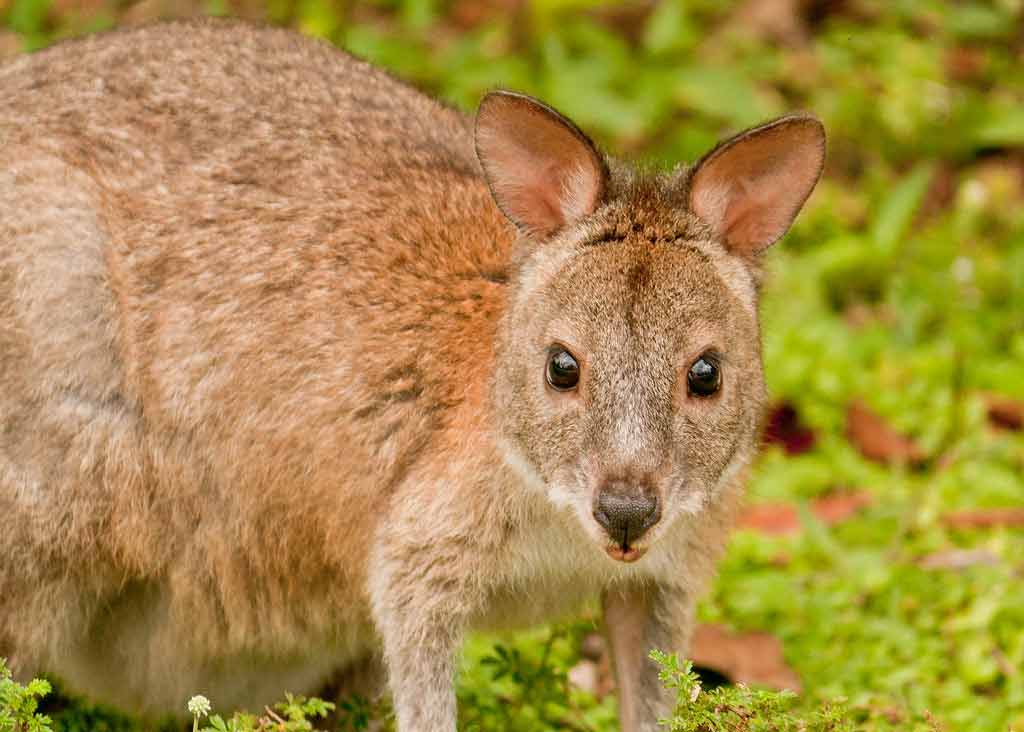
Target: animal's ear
x: 542, y: 171
x: 751, y: 187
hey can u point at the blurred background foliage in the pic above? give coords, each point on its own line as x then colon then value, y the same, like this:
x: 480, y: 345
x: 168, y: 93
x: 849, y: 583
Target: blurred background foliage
x: 894, y: 311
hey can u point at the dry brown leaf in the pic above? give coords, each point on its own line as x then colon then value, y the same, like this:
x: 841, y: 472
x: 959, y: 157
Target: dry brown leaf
x: 783, y: 518
x: 597, y: 677
x: 836, y: 507
x: 771, y: 518
x: 957, y: 559
x: 859, y: 315
x: 1007, y: 414
x: 748, y: 658
x: 593, y: 646
x: 468, y: 14
x: 1009, y: 670
x: 941, y: 191
x: 877, y: 440
x: 84, y: 8
x: 585, y: 675
x: 965, y: 63
x: 775, y: 20
x: 784, y: 428
x: 985, y: 518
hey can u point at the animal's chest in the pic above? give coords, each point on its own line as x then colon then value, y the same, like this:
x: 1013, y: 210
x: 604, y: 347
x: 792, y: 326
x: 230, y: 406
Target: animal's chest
x: 550, y: 570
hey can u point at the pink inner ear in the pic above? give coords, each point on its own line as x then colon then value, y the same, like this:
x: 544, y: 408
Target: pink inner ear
x: 755, y: 216
x: 750, y: 189
x: 543, y: 173
x: 537, y: 199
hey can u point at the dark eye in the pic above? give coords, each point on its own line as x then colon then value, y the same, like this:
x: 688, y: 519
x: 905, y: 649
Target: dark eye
x: 704, y: 378
x: 563, y: 372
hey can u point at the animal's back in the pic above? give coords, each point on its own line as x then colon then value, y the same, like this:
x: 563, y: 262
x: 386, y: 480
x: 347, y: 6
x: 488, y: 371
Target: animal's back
x: 237, y: 271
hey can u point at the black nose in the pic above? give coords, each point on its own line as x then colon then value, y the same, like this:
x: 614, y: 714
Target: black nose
x: 626, y: 516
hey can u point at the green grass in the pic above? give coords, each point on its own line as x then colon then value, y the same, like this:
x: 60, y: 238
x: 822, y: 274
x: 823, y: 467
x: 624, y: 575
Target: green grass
x: 902, y: 285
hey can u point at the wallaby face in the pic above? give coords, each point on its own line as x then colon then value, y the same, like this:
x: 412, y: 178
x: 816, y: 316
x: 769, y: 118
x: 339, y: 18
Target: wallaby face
x: 305, y: 375
x: 629, y: 379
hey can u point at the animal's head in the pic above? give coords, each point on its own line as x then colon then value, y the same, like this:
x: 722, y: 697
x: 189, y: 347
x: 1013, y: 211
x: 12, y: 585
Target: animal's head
x: 629, y: 382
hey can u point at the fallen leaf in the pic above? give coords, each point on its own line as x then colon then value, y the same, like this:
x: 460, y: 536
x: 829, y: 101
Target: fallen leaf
x: 784, y: 518
x: 837, y: 507
x: 859, y: 315
x: 1009, y: 670
x: 893, y: 715
x: 774, y: 20
x: 468, y: 14
x: 957, y: 559
x: 941, y: 191
x: 747, y: 658
x: 585, y: 675
x: 783, y: 427
x: 985, y: 518
x: 597, y: 678
x: 66, y: 7
x: 628, y: 19
x: 593, y: 646
x: 965, y: 63
x: 877, y: 440
x: 1007, y: 414
x: 771, y: 518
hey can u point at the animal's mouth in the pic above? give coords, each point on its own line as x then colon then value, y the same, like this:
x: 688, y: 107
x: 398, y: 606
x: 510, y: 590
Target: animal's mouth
x: 626, y: 516
x: 625, y: 553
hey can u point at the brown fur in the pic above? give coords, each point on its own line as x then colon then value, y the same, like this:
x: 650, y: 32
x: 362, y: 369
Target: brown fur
x: 271, y: 377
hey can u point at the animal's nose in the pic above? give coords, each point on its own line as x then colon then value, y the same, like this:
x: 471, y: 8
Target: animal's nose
x: 626, y: 515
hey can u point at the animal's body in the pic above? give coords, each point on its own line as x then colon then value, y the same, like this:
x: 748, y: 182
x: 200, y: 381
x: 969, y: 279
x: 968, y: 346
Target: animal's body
x: 282, y: 389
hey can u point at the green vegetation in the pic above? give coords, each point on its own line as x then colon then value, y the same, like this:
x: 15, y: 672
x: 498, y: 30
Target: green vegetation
x: 18, y: 704
x: 294, y: 714
x: 901, y: 288
x: 740, y: 709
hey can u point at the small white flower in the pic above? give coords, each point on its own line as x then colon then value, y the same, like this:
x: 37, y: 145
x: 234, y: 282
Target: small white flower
x: 975, y: 193
x: 199, y: 706
x: 695, y: 692
x: 963, y: 270
x: 937, y: 97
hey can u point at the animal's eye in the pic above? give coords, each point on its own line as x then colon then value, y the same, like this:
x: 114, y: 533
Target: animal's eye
x: 704, y: 378
x: 563, y: 372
